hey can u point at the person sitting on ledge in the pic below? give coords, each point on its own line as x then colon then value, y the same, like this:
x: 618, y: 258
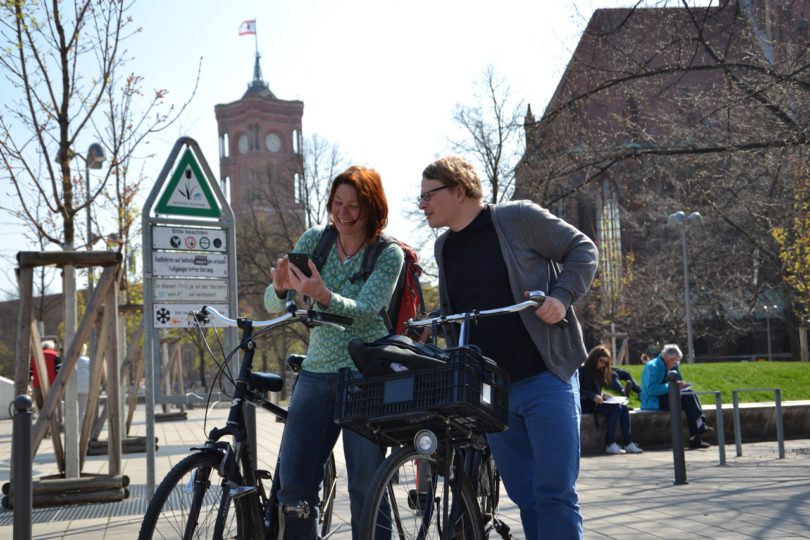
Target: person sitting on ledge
x: 655, y: 393
x: 595, y: 374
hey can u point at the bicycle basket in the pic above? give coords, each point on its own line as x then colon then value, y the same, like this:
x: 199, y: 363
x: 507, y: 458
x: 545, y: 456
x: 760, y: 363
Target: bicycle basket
x: 468, y: 394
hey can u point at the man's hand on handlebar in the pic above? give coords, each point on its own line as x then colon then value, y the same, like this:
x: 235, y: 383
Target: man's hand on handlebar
x: 550, y: 310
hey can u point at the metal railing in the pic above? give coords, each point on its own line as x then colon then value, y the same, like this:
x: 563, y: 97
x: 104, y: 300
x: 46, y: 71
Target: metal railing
x: 780, y: 431
x: 719, y: 424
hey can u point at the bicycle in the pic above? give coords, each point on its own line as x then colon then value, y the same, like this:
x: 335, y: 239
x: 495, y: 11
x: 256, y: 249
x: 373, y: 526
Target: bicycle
x: 215, y: 492
x: 442, y: 482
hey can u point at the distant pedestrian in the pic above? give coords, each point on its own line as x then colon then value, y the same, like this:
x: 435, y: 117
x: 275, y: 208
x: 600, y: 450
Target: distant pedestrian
x: 51, y: 367
x: 82, y: 382
x: 655, y: 393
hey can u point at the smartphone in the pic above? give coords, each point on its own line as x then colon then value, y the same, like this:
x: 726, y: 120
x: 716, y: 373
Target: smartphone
x: 300, y: 261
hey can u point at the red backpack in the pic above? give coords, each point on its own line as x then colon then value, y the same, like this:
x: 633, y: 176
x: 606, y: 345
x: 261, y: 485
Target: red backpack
x: 407, y: 302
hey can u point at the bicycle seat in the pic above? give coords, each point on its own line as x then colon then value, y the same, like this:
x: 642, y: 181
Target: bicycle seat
x: 393, y: 354
x: 265, y: 382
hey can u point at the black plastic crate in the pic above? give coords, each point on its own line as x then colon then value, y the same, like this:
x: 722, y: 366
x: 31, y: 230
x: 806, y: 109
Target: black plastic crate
x: 471, y: 392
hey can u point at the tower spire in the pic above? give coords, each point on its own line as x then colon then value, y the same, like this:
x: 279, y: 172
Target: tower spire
x: 257, y: 70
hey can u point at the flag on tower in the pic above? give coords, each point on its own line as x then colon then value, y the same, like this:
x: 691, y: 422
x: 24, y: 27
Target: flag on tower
x: 247, y: 27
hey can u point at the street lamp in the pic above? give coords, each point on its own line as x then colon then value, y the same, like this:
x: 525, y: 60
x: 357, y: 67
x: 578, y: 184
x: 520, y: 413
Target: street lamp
x: 682, y: 220
x: 94, y: 159
x: 768, y: 310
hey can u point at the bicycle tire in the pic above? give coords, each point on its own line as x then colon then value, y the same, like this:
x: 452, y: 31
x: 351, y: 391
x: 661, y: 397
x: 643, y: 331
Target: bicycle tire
x: 188, y: 503
x: 415, y: 504
x: 327, y: 497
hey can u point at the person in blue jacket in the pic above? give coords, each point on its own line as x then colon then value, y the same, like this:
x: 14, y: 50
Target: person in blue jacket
x: 655, y: 393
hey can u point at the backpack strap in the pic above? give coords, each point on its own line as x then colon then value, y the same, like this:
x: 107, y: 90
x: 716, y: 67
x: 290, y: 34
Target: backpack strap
x: 370, y: 257
x: 325, y: 242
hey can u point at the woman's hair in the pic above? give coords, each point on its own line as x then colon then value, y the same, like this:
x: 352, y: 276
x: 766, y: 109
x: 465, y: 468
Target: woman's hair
x: 592, y: 363
x: 455, y: 171
x: 370, y: 195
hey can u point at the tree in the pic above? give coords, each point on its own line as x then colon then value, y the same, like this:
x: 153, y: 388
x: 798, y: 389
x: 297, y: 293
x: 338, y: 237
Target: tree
x: 682, y: 109
x: 493, y: 131
x: 67, y: 67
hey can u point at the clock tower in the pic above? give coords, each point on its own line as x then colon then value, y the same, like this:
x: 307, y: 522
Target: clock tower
x: 260, y: 150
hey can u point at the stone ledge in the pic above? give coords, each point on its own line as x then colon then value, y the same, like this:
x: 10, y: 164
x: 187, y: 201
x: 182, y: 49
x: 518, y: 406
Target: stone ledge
x: 651, y: 429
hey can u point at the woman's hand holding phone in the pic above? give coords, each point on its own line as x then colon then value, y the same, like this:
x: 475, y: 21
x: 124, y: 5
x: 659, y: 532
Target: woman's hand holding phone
x: 306, y: 279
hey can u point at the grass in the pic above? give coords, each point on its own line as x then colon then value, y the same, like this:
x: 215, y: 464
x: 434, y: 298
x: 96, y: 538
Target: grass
x: 793, y: 378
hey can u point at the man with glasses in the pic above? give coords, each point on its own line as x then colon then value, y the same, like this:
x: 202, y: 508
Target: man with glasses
x: 490, y: 257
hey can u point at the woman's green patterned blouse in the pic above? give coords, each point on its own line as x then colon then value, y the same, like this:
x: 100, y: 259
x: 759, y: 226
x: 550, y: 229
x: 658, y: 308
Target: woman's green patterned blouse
x: 362, y: 301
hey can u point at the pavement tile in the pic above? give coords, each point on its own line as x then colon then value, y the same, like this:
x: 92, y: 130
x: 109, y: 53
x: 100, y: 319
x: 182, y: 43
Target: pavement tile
x: 628, y: 497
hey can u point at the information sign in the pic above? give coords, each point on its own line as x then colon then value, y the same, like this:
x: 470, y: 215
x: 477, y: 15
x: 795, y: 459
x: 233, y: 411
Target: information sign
x: 191, y: 290
x: 178, y: 315
x: 188, y: 239
x: 189, y: 264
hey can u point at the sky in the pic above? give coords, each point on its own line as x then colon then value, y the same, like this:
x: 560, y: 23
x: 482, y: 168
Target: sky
x: 381, y: 79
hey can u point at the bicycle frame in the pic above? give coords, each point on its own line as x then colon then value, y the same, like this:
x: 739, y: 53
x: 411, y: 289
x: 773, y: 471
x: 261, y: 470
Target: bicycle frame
x: 235, y: 425
x: 464, y: 461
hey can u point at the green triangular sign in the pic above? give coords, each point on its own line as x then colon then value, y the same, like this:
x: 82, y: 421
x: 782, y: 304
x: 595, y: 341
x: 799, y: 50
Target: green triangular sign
x: 188, y: 192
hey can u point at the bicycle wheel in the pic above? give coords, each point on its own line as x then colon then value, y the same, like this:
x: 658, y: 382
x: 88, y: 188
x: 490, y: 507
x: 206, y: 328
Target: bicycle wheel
x: 407, y: 500
x: 189, y: 504
x: 327, y: 497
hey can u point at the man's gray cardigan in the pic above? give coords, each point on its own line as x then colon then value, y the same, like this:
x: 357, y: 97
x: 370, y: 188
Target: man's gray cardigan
x: 534, y: 243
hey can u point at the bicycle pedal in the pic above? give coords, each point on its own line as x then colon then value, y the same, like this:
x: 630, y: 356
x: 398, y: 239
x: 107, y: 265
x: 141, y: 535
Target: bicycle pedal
x: 264, y: 475
x: 241, y: 491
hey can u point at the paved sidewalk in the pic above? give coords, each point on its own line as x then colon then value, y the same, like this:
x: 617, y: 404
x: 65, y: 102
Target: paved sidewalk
x: 623, y: 497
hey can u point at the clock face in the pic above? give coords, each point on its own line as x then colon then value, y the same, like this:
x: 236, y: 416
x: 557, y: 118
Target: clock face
x: 273, y: 142
x: 243, y: 144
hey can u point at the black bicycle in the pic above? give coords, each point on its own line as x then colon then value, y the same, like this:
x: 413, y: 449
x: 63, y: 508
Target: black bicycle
x: 215, y: 492
x: 437, y: 404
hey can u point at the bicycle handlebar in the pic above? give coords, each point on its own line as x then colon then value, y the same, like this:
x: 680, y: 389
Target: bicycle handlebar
x: 311, y: 316
x: 536, y: 298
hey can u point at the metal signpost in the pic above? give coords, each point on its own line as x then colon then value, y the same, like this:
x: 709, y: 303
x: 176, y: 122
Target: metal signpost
x: 189, y: 260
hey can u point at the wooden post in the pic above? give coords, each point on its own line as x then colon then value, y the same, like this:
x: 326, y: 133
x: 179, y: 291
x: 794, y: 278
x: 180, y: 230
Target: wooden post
x: 113, y: 382
x: 135, y: 356
x: 96, y: 371
x: 25, y: 279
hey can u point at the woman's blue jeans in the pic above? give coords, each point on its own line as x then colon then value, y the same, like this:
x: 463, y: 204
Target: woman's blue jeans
x: 538, y: 456
x: 616, y: 414
x: 309, y: 436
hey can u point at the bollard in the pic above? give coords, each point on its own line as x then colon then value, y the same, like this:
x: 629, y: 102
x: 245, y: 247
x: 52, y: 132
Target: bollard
x: 22, y: 486
x: 735, y: 401
x: 677, y: 433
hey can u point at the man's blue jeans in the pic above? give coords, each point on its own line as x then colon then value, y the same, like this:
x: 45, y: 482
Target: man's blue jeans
x: 309, y: 436
x: 538, y: 456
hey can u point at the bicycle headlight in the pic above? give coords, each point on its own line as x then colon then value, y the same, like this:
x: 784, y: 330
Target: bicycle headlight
x: 425, y: 442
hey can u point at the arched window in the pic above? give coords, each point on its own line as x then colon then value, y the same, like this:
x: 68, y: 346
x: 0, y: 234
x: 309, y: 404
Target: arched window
x: 223, y: 145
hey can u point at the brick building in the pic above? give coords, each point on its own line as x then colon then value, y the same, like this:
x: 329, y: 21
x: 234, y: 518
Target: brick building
x: 660, y: 110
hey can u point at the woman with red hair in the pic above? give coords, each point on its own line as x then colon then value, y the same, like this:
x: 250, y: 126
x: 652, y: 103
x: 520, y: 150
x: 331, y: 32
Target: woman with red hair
x: 358, y: 210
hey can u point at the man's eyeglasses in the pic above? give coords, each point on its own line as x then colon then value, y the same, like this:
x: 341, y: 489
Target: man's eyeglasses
x: 425, y: 196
